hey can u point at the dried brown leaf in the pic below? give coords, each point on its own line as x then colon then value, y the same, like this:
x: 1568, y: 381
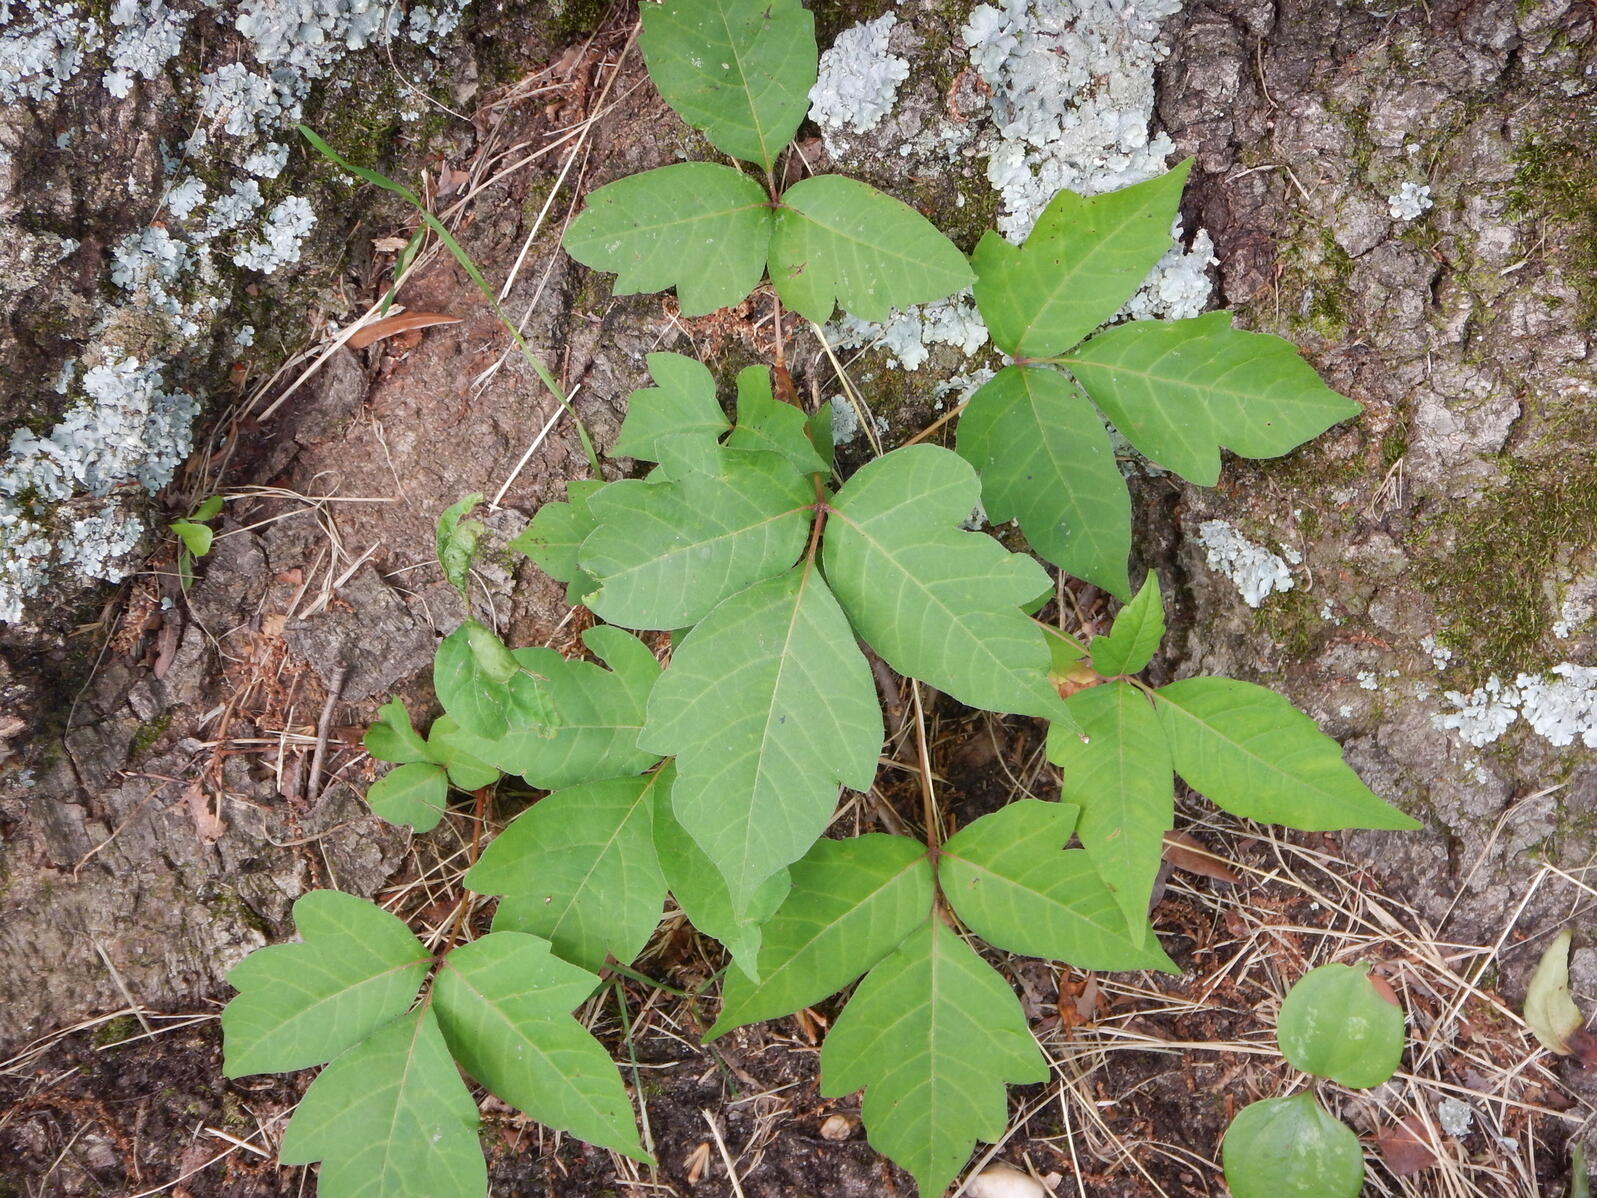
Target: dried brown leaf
x: 389, y: 326
x: 1405, y: 1146
x: 1185, y: 851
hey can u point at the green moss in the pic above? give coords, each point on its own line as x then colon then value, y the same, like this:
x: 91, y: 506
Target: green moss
x: 1555, y: 180
x: 1289, y: 619
x: 114, y: 1031
x: 1491, y: 589
x: 149, y: 732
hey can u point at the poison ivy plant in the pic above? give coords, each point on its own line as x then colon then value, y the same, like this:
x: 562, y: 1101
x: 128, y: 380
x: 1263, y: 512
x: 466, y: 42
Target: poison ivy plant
x: 390, y: 1116
x: 1178, y: 390
x: 195, y: 536
x: 781, y: 585
x: 740, y: 71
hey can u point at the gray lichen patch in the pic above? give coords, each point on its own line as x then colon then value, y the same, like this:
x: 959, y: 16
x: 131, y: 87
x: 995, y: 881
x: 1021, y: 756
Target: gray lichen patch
x: 172, y: 170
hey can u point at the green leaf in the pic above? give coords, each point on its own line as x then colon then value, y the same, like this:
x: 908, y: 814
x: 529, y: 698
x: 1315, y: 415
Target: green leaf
x: 1180, y: 389
x: 1549, y: 1011
x: 665, y: 553
x: 937, y: 603
x: 600, y: 713
x: 456, y: 750
x: 1044, y: 457
x: 840, y: 241
x: 1253, y: 753
x: 479, y: 702
x: 196, y: 538
x: 457, y: 541
x: 580, y: 870
x: 505, y: 1004
x: 493, y: 658
x: 819, y: 430
x: 678, y: 422
x: 556, y: 531
x: 765, y: 422
x: 768, y: 707
x: 932, y: 1034
x: 392, y: 738
x: 1117, y: 770
x: 302, y: 1004
x: 1134, y: 639
x: 416, y: 794
x: 1334, y: 1023
x: 853, y: 901
x: 739, y: 70
x: 390, y: 1119
x: 1290, y: 1148
x: 701, y: 892
x: 1083, y: 260
x: 1008, y: 879
x: 700, y: 227
x: 208, y: 509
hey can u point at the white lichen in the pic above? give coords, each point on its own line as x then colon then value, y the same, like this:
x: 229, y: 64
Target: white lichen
x: 858, y: 80
x: 1560, y: 706
x: 42, y: 46
x: 287, y: 226
x: 1410, y: 201
x: 185, y: 198
x: 124, y: 426
x: 1576, y: 610
x: 149, y: 35
x: 908, y: 335
x: 1441, y: 656
x: 1455, y: 1117
x: 1072, y: 96
x: 1255, y: 571
x: 1367, y: 680
x: 1482, y: 715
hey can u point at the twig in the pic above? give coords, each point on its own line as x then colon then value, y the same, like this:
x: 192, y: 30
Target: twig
x: 313, y: 788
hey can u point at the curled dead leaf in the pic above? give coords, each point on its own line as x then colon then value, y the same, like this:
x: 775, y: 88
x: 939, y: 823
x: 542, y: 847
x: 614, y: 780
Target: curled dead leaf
x: 1549, y: 1011
x: 698, y: 1160
x: 390, y: 326
x: 1186, y: 852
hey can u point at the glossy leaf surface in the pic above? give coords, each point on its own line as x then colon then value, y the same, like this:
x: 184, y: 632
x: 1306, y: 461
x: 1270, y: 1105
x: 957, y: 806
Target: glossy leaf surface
x: 1290, y: 1148
x: 1082, y: 261
x: 1334, y: 1023
x: 1008, y: 880
x: 580, y: 871
x: 1117, y: 771
x: 739, y: 70
x: 665, y: 553
x: 840, y: 242
x: 390, y: 1118
x: 1179, y: 390
x: 504, y: 1003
